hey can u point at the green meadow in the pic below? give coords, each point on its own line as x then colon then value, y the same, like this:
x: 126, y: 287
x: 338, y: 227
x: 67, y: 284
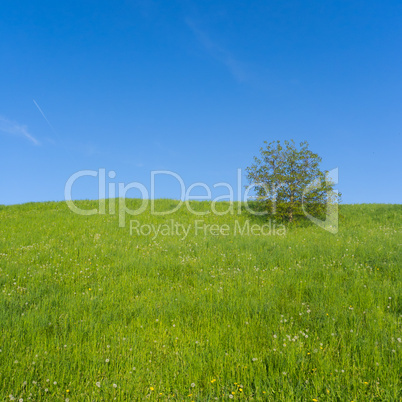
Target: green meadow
x: 92, y: 312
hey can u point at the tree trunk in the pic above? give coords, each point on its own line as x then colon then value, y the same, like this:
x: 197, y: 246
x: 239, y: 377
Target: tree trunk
x: 291, y: 208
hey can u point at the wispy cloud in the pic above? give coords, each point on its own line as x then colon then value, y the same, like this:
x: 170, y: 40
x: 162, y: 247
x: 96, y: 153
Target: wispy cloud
x: 235, y: 67
x: 14, y: 128
x: 43, y: 114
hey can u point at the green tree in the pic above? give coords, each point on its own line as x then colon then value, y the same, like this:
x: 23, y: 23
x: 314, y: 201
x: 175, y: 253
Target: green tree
x: 287, y: 179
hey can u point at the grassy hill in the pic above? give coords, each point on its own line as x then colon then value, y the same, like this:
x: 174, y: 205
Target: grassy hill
x: 90, y: 311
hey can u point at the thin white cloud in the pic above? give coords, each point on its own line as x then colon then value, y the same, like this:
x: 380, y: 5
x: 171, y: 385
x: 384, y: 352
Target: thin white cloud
x: 43, y: 114
x: 235, y: 67
x: 13, y: 128
x: 52, y: 141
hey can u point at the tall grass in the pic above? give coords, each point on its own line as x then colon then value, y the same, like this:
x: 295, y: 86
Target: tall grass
x: 92, y: 312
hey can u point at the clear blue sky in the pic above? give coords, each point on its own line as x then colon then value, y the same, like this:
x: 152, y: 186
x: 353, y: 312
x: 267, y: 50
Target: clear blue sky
x: 196, y: 87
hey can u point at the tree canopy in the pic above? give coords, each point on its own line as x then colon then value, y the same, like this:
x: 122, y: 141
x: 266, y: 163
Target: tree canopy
x: 288, y: 180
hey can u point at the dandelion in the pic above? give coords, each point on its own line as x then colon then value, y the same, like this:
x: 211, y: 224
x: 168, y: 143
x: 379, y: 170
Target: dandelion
x: 254, y: 359
x: 151, y: 388
x: 231, y: 396
x: 192, y: 384
x: 107, y: 360
x: 98, y: 384
x: 114, y: 385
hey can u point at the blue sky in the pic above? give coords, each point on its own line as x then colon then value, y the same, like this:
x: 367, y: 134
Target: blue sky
x: 195, y: 87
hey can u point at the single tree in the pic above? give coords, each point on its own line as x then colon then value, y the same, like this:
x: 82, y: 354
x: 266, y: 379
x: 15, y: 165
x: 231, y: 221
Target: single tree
x: 288, y: 179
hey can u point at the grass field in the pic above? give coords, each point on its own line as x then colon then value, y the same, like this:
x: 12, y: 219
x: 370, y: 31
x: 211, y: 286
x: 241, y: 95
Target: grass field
x: 90, y: 312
